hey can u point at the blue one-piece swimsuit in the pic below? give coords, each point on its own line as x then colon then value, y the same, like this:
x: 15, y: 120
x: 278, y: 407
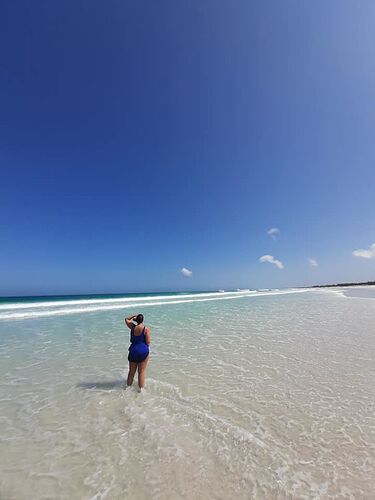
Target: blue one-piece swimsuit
x: 138, y: 350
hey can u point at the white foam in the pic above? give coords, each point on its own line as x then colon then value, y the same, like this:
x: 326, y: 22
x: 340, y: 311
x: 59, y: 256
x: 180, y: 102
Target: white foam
x: 108, y: 305
x: 60, y: 303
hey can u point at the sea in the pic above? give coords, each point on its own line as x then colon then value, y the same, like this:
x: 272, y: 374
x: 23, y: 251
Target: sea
x: 249, y: 395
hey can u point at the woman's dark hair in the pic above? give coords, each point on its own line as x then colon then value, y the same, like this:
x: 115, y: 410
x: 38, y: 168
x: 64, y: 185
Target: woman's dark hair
x: 139, y: 319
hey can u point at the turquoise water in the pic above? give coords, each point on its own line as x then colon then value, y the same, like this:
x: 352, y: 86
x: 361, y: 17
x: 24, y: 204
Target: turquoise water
x: 59, y: 298
x: 248, y: 395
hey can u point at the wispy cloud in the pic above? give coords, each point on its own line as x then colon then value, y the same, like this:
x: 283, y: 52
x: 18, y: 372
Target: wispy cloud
x: 186, y: 272
x: 273, y: 232
x: 312, y: 262
x: 365, y: 254
x: 271, y: 259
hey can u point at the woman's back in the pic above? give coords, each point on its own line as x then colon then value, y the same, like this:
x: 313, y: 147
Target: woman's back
x: 137, y: 334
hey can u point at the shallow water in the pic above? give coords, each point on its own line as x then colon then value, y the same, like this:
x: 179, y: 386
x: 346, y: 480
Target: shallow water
x: 363, y: 292
x: 257, y: 397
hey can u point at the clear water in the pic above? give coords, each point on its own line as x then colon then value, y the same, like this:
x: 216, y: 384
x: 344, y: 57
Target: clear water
x: 259, y: 396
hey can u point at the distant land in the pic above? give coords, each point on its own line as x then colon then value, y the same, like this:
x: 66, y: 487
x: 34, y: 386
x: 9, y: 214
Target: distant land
x: 345, y: 284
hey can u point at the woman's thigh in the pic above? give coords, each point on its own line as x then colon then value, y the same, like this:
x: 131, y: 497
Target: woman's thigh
x: 132, y: 367
x: 142, y: 365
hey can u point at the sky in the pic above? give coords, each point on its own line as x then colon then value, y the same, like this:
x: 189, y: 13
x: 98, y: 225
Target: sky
x: 154, y: 146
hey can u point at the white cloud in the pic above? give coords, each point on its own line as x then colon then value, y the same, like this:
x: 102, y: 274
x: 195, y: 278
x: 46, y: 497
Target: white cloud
x: 312, y: 262
x: 186, y: 272
x: 271, y: 259
x: 273, y: 232
x: 365, y: 254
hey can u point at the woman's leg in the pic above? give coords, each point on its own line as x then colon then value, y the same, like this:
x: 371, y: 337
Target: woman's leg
x: 141, y: 373
x: 132, y: 370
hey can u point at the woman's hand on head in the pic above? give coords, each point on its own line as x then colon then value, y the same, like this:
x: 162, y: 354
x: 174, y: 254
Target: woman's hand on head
x: 129, y: 319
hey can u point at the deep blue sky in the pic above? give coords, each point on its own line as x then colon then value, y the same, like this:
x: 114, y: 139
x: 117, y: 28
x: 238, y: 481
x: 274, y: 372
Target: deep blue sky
x: 140, y: 137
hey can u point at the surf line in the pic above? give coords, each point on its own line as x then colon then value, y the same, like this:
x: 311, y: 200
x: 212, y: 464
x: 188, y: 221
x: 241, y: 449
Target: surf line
x: 120, y: 300
x: 78, y: 310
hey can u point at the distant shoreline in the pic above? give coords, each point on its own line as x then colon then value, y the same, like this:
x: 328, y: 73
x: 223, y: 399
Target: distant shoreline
x: 364, y: 283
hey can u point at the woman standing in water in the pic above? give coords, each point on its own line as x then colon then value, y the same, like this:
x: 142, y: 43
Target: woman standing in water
x: 140, y: 339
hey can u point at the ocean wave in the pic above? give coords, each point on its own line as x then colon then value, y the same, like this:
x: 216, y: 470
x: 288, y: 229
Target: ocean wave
x: 109, y: 305
x: 61, y: 303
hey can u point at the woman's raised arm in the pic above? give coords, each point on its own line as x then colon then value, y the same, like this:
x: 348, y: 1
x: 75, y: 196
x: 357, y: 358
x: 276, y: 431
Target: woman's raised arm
x: 129, y: 319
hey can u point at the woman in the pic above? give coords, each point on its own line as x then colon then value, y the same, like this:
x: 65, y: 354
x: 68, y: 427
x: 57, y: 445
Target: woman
x: 140, y: 339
